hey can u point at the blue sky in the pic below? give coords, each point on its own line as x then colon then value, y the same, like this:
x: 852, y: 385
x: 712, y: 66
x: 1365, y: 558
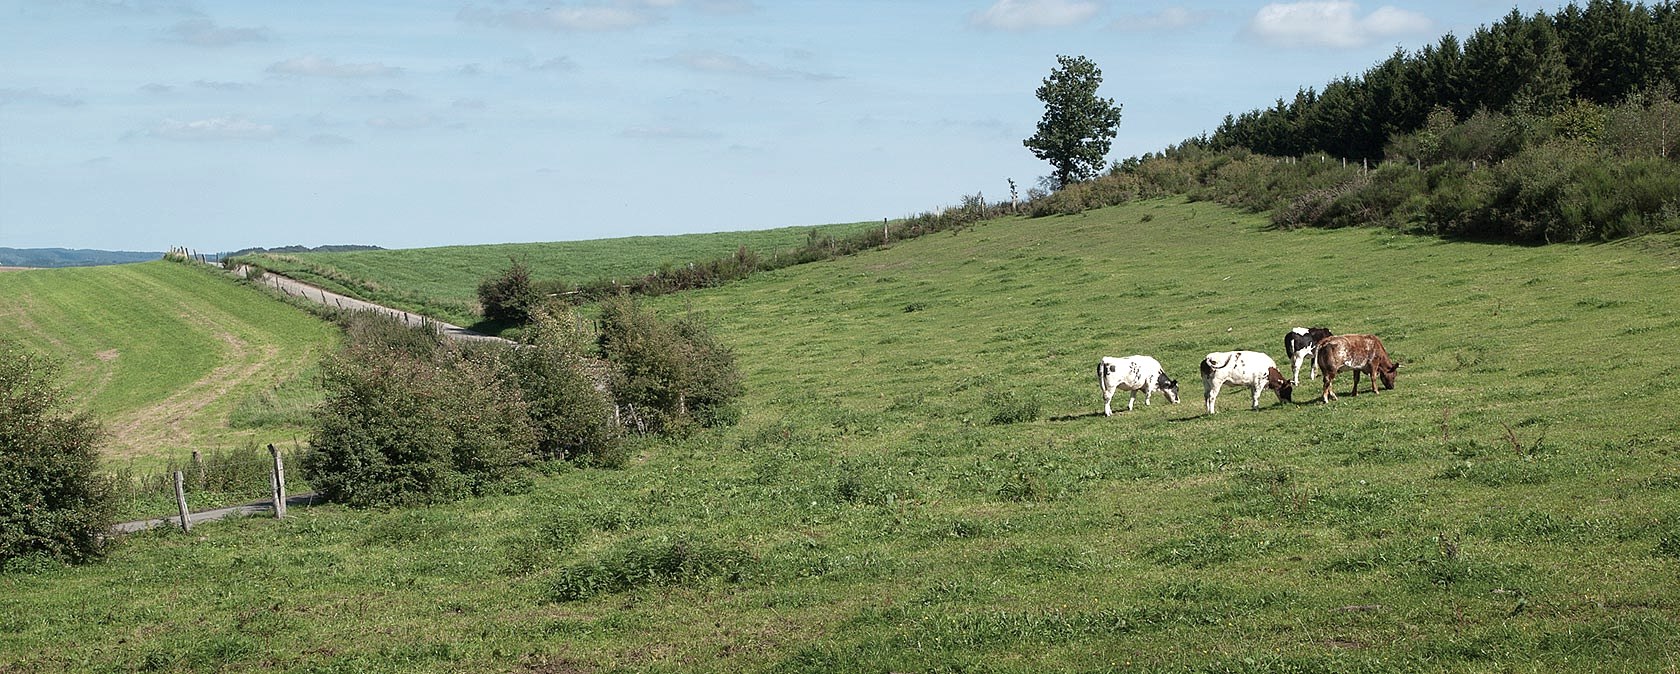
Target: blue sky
x: 146, y: 124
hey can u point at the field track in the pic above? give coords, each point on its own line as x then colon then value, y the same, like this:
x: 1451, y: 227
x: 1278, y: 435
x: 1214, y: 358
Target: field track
x: 291, y: 286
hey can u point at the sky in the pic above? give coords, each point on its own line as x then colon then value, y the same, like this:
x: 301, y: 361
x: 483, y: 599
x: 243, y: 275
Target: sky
x: 216, y: 126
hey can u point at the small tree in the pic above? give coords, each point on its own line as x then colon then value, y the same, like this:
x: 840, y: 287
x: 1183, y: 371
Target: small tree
x: 53, y: 501
x: 566, y: 394
x: 511, y: 297
x: 667, y: 374
x: 400, y: 428
x: 1078, y: 127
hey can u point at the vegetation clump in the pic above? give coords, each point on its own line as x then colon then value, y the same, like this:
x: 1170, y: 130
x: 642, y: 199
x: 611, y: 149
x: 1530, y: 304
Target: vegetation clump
x: 54, y: 502
x: 668, y: 374
x: 406, y: 422
x: 510, y: 297
x: 411, y: 418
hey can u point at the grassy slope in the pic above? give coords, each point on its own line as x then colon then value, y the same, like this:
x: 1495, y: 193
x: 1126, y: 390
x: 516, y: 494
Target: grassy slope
x: 163, y: 354
x: 443, y: 282
x: 894, y: 530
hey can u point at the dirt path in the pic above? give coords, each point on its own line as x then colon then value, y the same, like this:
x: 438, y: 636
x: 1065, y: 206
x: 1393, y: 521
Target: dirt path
x: 292, y: 286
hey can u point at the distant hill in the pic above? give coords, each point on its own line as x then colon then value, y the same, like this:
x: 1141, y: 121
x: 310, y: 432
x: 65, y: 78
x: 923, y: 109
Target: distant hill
x: 302, y: 249
x: 66, y: 257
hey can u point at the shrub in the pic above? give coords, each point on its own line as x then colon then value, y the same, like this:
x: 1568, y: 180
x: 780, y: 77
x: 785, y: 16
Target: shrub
x: 649, y: 563
x: 397, y: 428
x: 53, y: 501
x: 511, y: 297
x: 1010, y: 407
x: 565, y: 390
x: 667, y: 374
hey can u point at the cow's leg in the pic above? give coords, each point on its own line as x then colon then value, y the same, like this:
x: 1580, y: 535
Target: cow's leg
x: 1213, y: 395
x: 1131, y: 400
x: 1312, y: 369
x: 1329, y: 379
x: 1373, y: 379
x: 1108, y: 396
x: 1147, y: 394
x: 1355, y: 390
x: 1295, y: 360
x: 1255, y: 405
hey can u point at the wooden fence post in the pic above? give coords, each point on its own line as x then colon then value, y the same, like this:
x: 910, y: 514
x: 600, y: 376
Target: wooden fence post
x: 198, y: 467
x: 181, y: 501
x: 278, y: 483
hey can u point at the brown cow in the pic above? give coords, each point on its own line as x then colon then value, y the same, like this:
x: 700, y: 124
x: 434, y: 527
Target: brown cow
x: 1360, y: 353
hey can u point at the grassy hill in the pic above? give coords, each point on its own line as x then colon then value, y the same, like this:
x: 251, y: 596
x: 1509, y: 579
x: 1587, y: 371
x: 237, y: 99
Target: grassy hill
x: 170, y: 358
x: 443, y: 282
x: 1513, y: 505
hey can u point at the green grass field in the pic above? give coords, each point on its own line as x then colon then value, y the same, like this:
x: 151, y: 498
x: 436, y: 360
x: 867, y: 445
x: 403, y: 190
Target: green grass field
x: 443, y: 282
x: 170, y: 358
x: 1513, y: 505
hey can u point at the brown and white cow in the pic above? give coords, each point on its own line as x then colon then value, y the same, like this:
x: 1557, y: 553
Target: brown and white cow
x: 1360, y: 353
x: 1250, y: 369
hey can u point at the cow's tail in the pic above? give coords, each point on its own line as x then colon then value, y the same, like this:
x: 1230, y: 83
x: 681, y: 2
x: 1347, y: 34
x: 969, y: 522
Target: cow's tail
x: 1208, y: 365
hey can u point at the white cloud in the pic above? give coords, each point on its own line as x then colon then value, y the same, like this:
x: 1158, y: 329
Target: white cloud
x: 157, y: 89
x: 316, y: 66
x: 1034, y: 14
x: 214, y: 128
x: 1332, y: 23
x: 33, y: 95
x: 221, y: 86
x: 566, y: 17
x: 555, y: 64
x: 725, y: 6
x: 667, y: 133
x: 205, y: 33
x: 1171, y: 18
x: 330, y: 140
x: 708, y: 61
x: 403, y: 123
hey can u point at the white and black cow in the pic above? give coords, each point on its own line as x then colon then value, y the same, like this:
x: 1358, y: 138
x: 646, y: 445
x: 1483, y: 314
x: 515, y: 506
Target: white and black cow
x: 1299, y: 343
x: 1251, y: 369
x: 1134, y: 373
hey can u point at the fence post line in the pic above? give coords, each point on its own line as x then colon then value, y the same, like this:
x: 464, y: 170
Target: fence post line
x: 198, y: 467
x: 279, y: 483
x: 181, y: 501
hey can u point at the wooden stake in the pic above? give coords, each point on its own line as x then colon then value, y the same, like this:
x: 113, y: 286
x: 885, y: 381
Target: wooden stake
x: 181, y: 501
x: 278, y: 483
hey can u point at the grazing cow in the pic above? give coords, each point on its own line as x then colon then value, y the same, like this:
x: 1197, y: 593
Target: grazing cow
x: 1360, y: 353
x: 1134, y: 373
x: 1298, y: 343
x: 1251, y: 369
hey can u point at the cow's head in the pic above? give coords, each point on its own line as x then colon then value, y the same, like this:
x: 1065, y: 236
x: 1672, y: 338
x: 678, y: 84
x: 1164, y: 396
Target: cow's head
x: 1387, y: 372
x: 1167, y: 386
x: 1277, y: 382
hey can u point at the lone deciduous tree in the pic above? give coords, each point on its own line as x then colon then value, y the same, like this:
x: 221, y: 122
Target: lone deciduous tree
x: 1078, y: 126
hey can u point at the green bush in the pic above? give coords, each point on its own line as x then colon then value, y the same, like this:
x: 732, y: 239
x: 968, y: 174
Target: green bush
x: 400, y: 429
x: 510, y: 297
x: 54, y: 503
x: 667, y: 374
x: 565, y: 389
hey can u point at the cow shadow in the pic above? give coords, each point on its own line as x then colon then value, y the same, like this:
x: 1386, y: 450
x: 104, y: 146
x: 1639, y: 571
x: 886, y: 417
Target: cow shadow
x: 1076, y: 417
